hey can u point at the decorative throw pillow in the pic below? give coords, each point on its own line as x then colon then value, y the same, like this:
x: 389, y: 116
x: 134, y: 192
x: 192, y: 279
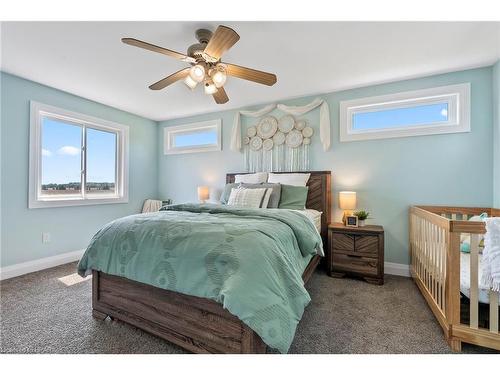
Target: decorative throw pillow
x: 274, y: 198
x: 293, y: 197
x: 251, y: 178
x: 295, y: 179
x: 251, y: 198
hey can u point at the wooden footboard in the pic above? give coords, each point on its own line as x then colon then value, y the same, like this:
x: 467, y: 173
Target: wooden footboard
x: 197, y: 324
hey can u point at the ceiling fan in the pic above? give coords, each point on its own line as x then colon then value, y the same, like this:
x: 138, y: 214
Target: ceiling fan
x: 206, y: 64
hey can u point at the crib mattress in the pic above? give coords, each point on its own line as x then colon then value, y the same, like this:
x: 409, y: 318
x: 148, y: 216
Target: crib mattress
x: 484, y: 291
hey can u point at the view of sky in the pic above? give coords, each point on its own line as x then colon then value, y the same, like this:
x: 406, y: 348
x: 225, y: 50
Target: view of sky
x: 401, y: 117
x: 207, y: 137
x: 61, y: 153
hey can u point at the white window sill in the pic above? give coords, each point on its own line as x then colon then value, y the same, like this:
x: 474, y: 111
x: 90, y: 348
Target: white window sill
x: 48, y: 203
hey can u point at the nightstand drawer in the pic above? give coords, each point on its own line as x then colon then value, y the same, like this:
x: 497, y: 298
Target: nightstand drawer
x: 355, y: 264
x: 367, y: 245
x: 343, y: 241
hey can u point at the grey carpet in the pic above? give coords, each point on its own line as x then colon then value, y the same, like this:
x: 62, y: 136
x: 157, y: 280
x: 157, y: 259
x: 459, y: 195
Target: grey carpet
x: 39, y: 314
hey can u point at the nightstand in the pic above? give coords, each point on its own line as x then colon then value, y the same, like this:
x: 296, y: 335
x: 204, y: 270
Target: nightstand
x: 357, y: 251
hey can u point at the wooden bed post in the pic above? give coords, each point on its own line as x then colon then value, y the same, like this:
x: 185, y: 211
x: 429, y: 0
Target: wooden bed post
x: 453, y: 288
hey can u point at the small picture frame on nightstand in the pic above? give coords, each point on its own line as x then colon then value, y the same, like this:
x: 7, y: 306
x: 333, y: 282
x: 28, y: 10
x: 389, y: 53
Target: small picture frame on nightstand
x: 351, y: 221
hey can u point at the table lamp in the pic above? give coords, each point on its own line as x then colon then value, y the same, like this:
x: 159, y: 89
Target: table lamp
x: 203, y: 193
x: 347, y: 202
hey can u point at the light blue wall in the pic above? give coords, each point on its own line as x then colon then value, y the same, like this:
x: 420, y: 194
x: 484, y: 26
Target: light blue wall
x: 496, y: 137
x: 389, y: 175
x: 71, y: 227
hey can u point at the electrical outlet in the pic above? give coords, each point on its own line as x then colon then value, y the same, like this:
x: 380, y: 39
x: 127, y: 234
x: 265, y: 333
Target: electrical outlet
x: 46, y: 237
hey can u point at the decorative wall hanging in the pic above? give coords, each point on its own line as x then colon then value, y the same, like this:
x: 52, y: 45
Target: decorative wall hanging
x: 277, y: 145
x: 324, y: 120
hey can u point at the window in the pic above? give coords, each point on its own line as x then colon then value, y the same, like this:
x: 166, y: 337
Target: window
x: 76, y: 159
x: 196, y: 137
x: 431, y: 111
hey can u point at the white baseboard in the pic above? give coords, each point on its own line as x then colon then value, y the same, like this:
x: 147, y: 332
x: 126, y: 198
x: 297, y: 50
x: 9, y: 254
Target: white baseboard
x: 39, y: 264
x: 56, y: 260
x: 398, y: 269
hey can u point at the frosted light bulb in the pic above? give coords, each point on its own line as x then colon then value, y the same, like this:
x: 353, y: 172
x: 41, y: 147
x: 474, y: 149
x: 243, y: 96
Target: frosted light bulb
x: 197, y: 73
x: 191, y: 83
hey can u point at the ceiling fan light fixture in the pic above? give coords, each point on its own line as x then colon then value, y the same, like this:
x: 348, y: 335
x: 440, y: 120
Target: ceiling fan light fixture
x: 210, y: 88
x: 219, y: 78
x: 191, y: 83
x: 197, y: 73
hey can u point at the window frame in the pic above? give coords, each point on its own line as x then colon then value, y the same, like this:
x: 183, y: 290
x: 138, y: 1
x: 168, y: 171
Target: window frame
x: 456, y: 96
x: 38, y: 111
x: 170, y: 131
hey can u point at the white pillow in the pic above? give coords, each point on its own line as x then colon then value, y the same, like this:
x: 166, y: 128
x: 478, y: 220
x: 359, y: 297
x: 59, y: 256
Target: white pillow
x: 295, y: 179
x: 251, y: 198
x: 252, y: 178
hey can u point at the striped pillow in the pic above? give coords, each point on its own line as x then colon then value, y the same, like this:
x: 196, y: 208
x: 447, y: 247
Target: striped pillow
x: 252, y: 198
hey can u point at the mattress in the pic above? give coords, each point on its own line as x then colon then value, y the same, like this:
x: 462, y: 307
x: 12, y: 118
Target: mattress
x: 484, y: 292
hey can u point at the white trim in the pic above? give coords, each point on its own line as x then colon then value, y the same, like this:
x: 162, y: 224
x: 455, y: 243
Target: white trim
x: 456, y: 96
x: 39, y: 264
x: 37, y: 111
x: 398, y: 269
x: 170, y: 131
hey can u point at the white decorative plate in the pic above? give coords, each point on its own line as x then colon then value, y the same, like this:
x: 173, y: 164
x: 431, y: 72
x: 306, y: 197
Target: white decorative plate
x: 255, y: 143
x: 300, y: 125
x: 267, y: 144
x: 267, y: 127
x: 246, y: 140
x: 307, y: 141
x: 308, y: 132
x: 286, y: 123
x: 251, y: 131
x: 294, y: 139
x: 279, y: 138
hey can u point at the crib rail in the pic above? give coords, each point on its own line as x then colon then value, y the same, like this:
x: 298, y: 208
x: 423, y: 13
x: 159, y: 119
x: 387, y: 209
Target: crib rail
x: 435, y: 234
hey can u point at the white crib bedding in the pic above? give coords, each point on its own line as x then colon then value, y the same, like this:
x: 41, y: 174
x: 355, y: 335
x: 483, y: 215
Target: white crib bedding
x: 484, y: 294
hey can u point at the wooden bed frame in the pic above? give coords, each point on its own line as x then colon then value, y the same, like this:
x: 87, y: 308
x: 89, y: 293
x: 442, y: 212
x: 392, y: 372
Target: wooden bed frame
x: 435, y: 233
x: 199, y: 325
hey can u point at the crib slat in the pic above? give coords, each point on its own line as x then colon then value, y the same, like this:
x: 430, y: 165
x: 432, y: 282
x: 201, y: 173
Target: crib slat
x: 474, y: 284
x: 445, y: 265
x: 434, y: 262
x: 493, y: 311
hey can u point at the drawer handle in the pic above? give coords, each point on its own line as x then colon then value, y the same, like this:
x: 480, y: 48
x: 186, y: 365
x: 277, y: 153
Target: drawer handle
x: 353, y: 256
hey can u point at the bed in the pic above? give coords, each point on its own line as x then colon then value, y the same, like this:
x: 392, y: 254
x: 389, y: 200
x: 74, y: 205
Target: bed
x: 201, y: 322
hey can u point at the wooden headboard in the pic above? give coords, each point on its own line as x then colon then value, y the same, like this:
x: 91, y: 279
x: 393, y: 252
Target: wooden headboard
x: 319, y: 196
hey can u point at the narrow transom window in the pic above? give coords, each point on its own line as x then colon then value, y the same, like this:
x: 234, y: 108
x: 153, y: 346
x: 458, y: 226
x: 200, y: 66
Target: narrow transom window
x: 431, y: 111
x: 76, y: 159
x: 196, y: 137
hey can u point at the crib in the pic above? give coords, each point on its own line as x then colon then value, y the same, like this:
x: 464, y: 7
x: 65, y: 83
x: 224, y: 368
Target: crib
x: 449, y: 279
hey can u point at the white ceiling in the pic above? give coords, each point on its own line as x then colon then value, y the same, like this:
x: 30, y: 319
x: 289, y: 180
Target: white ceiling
x: 88, y: 59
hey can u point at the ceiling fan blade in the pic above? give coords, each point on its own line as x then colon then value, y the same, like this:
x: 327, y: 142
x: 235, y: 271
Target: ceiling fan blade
x: 220, y: 96
x: 222, y: 39
x: 161, y: 84
x: 249, y: 74
x: 154, y: 48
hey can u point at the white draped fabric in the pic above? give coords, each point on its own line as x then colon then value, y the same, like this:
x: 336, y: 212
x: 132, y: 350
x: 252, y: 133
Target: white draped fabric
x: 324, y: 120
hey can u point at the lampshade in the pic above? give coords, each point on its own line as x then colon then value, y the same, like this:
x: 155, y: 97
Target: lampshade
x: 210, y: 88
x: 197, y: 73
x: 347, y: 200
x: 203, y: 193
x: 191, y: 83
x: 219, y: 78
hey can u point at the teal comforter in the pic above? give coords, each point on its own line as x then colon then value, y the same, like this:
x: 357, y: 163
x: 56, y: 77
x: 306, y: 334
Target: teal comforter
x: 249, y: 260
